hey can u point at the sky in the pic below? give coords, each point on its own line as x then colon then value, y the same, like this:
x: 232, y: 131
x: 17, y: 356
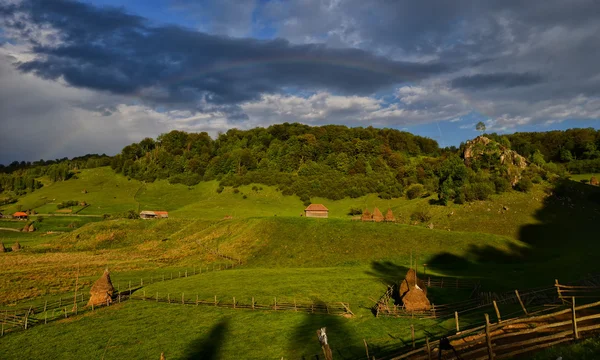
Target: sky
x: 93, y: 76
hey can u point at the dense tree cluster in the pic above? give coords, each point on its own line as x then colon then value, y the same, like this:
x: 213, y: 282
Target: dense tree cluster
x: 577, y: 149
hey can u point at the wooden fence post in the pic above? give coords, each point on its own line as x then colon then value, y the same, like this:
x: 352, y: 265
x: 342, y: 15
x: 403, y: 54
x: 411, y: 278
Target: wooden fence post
x: 428, y: 348
x: 2, y: 333
x: 412, y: 335
x: 296, y: 309
x: 234, y: 302
x: 433, y: 310
x: 157, y: 296
x: 66, y: 316
x: 215, y: 300
x: 521, y: 302
x: 144, y: 296
x: 59, y: 301
x: 196, y: 299
x: 46, y: 315
x: 558, y: 290
x: 275, y: 304
x: 45, y: 305
x: 168, y: 298
x: 575, y: 332
x: 129, y: 287
x: 185, y: 272
x: 324, y: 344
x: 497, y: 311
x: 179, y: 274
x: 182, y: 300
x: 142, y: 282
x: 253, y: 303
x: 429, y: 281
x: 194, y: 269
x: 488, y: 337
x: 456, y: 320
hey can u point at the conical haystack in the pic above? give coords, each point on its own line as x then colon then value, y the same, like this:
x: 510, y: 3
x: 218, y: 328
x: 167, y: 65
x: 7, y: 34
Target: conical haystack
x: 2, y: 248
x: 162, y: 356
x: 16, y: 246
x: 366, y: 215
x: 389, y: 216
x: 594, y: 181
x: 416, y: 300
x: 102, y: 290
x: 409, y: 283
x: 377, y: 215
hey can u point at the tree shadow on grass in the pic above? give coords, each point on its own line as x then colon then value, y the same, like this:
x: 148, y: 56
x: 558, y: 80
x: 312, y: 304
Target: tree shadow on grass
x: 304, y: 344
x: 207, y: 348
x: 562, y: 245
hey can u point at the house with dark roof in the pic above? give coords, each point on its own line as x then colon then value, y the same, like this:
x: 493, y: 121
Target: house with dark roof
x: 316, y: 210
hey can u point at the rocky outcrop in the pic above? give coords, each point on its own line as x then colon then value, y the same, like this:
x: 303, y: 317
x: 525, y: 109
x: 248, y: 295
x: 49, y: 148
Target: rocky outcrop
x: 482, y: 145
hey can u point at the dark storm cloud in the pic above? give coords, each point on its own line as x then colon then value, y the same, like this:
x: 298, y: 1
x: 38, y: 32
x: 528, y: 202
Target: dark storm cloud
x: 107, y: 49
x: 497, y: 80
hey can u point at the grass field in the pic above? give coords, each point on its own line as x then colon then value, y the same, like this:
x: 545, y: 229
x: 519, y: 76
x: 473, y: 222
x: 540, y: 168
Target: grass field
x: 515, y: 240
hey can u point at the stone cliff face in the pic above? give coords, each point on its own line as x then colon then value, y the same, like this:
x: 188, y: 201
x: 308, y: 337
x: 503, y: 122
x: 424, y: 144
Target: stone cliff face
x: 481, y: 145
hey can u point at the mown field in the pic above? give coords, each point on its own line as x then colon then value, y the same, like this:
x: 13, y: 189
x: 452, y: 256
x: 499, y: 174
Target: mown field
x: 516, y: 240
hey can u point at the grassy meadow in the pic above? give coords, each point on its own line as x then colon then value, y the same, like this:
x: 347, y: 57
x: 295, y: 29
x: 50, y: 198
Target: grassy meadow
x: 516, y: 240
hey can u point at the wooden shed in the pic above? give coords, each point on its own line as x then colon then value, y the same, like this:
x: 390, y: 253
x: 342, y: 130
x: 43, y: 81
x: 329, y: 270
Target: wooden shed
x: 316, y: 210
x: 20, y: 215
x: 147, y: 214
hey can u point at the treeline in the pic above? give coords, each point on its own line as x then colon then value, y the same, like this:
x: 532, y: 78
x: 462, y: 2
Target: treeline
x: 21, y: 177
x: 577, y: 149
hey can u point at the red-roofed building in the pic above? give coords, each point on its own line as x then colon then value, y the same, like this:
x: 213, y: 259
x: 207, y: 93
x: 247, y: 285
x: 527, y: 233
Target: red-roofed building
x: 146, y: 214
x: 20, y: 215
x: 316, y: 210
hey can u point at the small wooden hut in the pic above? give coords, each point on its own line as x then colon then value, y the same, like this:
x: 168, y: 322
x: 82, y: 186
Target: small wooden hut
x: 316, y: 210
x: 20, y: 215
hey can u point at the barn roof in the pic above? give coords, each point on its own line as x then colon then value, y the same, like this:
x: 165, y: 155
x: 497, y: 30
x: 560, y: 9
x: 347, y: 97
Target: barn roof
x: 19, y: 213
x: 316, y: 207
x: 148, y: 212
x: 161, y: 213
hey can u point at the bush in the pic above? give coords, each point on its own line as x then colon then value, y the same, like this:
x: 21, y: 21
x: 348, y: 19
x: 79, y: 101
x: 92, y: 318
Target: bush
x: 40, y: 219
x: 421, y: 215
x: 414, y: 191
x: 220, y: 189
x: 355, y: 211
x: 236, y: 191
x: 245, y: 196
x: 501, y: 185
x: 536, y: 179
x: 477, y: 191
x: 524, y: 185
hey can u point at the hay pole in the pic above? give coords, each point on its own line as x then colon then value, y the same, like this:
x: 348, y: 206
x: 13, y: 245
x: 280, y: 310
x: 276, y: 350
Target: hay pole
x: 497, y: 311
x: 456, y: 320
x: 521, y: 302
x: 558, y: 290
x: 366, y: 348
x: 574, y: 317
x: 488, y: 338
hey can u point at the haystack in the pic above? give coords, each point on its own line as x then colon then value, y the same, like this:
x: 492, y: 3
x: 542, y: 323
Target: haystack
x: 389, y: 216
x: 102, y: 290
x: 594, y: 181
x: 366, y: 216
x: 409, y: 283
x: 377, y: 215
x: 416, y: 300
x: 16, y: 246
x: 2, y: 248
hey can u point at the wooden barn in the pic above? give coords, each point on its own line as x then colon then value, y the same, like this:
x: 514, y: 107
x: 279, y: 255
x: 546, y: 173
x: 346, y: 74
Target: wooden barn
x: 148, y: 214
x: 20, y: 215
x: 316, y: 210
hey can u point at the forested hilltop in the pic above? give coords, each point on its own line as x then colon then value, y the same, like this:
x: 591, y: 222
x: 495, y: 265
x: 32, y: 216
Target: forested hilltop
x: 336, y: 161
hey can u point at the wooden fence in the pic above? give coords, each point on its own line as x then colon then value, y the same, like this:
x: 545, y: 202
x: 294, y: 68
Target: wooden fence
x: 338, y: 308
x: 506, y: 339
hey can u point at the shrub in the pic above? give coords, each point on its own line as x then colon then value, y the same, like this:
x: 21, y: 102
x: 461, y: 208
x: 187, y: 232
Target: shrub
x: 245, y: 196
x: 40, y: 219
x: 501, y: 185
x: 524, y: 185
x: 477, y: 191
x: 255, y: 188
x: 220, y: 189
x: 414, y: 191
x: 355, y: 211
x: 421, y: 215
x: 536, y: 179
x: 236, y: 190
